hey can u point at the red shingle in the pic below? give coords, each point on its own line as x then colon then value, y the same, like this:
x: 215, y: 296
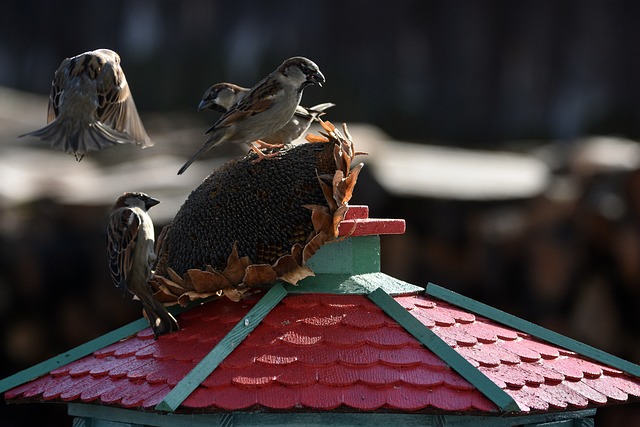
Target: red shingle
x: 363, y: 398
x: 525, y: 353
x: 97, y: 388
x: 105, y: 366
x: 319, y: 352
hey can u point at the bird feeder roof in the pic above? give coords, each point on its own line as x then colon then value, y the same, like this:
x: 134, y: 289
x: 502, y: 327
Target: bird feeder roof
x: 322, y: 352
x: 398, y: 349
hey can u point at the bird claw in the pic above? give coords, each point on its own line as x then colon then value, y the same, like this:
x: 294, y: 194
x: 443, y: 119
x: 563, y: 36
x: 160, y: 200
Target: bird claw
x: 262, y: 156
x: 263, y: 144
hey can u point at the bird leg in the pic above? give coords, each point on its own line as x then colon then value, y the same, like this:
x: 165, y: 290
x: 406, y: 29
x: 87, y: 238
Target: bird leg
x: 263, y: 144
x: 260, y: 154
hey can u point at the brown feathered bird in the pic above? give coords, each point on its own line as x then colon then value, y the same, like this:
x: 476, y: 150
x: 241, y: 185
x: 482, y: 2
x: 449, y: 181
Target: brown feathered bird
x: 267, y: 107
x: 91, y: 107
x: 222, y: 96
x: 130, y: 249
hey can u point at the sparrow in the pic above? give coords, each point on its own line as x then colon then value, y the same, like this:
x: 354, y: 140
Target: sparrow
x: 267, y: 107
x: 130, y: 249
x: 222, y: 96
x: 91, y: 107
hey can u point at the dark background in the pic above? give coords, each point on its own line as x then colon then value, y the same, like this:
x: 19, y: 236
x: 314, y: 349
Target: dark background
x: 473, y: 74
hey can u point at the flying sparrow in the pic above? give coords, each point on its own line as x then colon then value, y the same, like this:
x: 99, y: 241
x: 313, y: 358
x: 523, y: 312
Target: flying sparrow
x: 130, y: 249
x: 90, y: 106
x: 267, y: 107
x: 222, y: 96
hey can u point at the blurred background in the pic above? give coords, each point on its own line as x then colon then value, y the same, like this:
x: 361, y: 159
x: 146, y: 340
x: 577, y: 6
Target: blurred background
x: 503, y: 132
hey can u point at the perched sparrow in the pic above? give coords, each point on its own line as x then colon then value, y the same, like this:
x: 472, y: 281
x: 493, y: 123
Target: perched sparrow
x: 130, y: 241
x: 222, y: 96
x: 90, y: 106
x: 267, y: 107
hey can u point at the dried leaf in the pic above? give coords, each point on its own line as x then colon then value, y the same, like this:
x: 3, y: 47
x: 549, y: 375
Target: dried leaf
x: 205, y: 281
x: 327, y: 190
x: 235, y: 295
x: 187, y: 297
x: 327, y: 125
x: 338, y: 155
x: 350, y: 232
x: 259, y: 274
x: 338, y: 216
x: 351, y: 182
x: 313, y: 246
x: 284, y: 265
x: 175, y: 277
x: 165, y: 296
x: 297, y: 274
x: 321, y: 220
x: 316, y: 138
x: 173, y: 287
x: 346, y: 159
x: 326, y: 178
x: 337, y: 177
x: 338, y: 188
x: 236, y: 266
x: 346, y: 132
x: 296, y: 253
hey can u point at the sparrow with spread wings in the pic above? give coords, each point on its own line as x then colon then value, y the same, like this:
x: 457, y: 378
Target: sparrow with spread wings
x: 130, y: 249
x: 91, y: 107
x: 267, y: 107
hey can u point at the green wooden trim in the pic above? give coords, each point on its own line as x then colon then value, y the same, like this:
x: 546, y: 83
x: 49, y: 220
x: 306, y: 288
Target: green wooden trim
x: 316, y: 419
x: 353, y: 255
x: 362, y: 284
x: 82, y: 350
x: 203, y: 369
x: 336, y: 419
x: 120, y: 415
x: 366, y: 254
x: 532, y: 329
x: 434, y: 343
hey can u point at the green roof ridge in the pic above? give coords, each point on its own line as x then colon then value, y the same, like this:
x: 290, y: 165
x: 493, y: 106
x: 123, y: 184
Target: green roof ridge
x: 72, y: 355
x: 85, y: 349
x: 231, y: 340
x: 363, y: 284
x: 532, y: 329
x: 441, y: 349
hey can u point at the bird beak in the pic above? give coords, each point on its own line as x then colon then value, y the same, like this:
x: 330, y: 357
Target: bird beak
x: 203, y: 104
x: 150, y: 202
x: 316, y: 78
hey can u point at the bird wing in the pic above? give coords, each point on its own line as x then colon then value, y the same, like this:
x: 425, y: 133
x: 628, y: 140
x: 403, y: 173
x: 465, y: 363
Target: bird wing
x: 116, y: 107
x: 121, y: 242
x: 259, y: 99
x: 319, y: 108
x: 57, y: 86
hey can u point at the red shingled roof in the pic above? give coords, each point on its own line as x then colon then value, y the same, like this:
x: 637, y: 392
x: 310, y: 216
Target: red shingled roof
x: 321, y: 352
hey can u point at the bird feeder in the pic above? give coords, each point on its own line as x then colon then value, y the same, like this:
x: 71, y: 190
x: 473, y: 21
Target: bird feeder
x: 308, y: 330
x: 348, y: 346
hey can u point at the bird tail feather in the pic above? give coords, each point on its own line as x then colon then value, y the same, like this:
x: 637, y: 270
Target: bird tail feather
x: 71, y: 137
x: 160, y: 319
x: 193, y: 158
